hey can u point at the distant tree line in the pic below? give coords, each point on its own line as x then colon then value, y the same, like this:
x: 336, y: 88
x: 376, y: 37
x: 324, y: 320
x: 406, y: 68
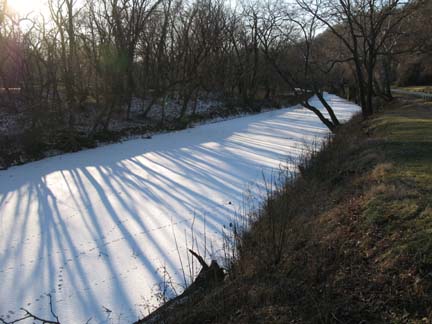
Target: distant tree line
x: 105, y: 54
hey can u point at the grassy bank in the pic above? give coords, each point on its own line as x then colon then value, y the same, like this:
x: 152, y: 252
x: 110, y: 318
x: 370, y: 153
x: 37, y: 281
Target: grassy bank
x: 426, y: 89
x: 348, y: 241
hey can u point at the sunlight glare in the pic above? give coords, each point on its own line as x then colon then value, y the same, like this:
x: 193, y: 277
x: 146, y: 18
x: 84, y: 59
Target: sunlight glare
x: 25, y: 7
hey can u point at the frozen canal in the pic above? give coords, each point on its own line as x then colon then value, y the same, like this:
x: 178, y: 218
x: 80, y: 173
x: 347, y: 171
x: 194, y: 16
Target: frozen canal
x: 96, y: 228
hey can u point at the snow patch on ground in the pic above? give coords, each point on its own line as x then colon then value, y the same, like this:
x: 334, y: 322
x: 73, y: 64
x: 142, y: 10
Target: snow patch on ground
x: 95, y: 228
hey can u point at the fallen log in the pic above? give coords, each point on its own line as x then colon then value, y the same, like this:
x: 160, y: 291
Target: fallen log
x: 209, y: 277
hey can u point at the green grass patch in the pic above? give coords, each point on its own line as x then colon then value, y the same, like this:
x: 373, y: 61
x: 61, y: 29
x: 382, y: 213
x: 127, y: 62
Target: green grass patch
x: 427, y: 89
x: 404, y: 202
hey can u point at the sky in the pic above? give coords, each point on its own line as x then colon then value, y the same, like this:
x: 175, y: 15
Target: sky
x: 24, y: 7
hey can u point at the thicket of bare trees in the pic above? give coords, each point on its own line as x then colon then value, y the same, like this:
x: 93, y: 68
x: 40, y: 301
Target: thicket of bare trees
x: 104, y: 55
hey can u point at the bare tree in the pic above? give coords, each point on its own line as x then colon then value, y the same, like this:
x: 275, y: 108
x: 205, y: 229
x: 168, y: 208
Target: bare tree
x: 63, y: 14
x: 127, y: 21
x: 363, y: 27
x: 287, y: 39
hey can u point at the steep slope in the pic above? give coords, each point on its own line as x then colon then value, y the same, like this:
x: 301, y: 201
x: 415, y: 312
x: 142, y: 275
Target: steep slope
x: 349, y: 241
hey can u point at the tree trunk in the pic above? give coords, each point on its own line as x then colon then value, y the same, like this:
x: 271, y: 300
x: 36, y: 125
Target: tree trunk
x: 323, y: 119
x: 329, y: 109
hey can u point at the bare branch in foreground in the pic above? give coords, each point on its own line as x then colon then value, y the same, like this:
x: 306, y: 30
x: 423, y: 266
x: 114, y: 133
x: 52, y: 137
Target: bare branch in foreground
x: 29, y: 315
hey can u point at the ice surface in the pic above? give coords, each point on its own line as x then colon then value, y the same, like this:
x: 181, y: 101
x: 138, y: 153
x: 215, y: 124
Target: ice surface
x: 95, y: 228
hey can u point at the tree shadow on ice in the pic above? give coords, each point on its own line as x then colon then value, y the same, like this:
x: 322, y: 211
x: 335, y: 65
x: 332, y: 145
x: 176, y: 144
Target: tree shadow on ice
x: 84, y: 215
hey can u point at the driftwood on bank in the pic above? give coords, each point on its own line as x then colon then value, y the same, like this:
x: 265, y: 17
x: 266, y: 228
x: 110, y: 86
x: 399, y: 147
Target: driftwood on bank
x: 209, y: 276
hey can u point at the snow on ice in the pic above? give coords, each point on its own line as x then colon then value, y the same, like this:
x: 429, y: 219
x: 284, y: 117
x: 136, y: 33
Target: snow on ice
x: 95, y: 228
